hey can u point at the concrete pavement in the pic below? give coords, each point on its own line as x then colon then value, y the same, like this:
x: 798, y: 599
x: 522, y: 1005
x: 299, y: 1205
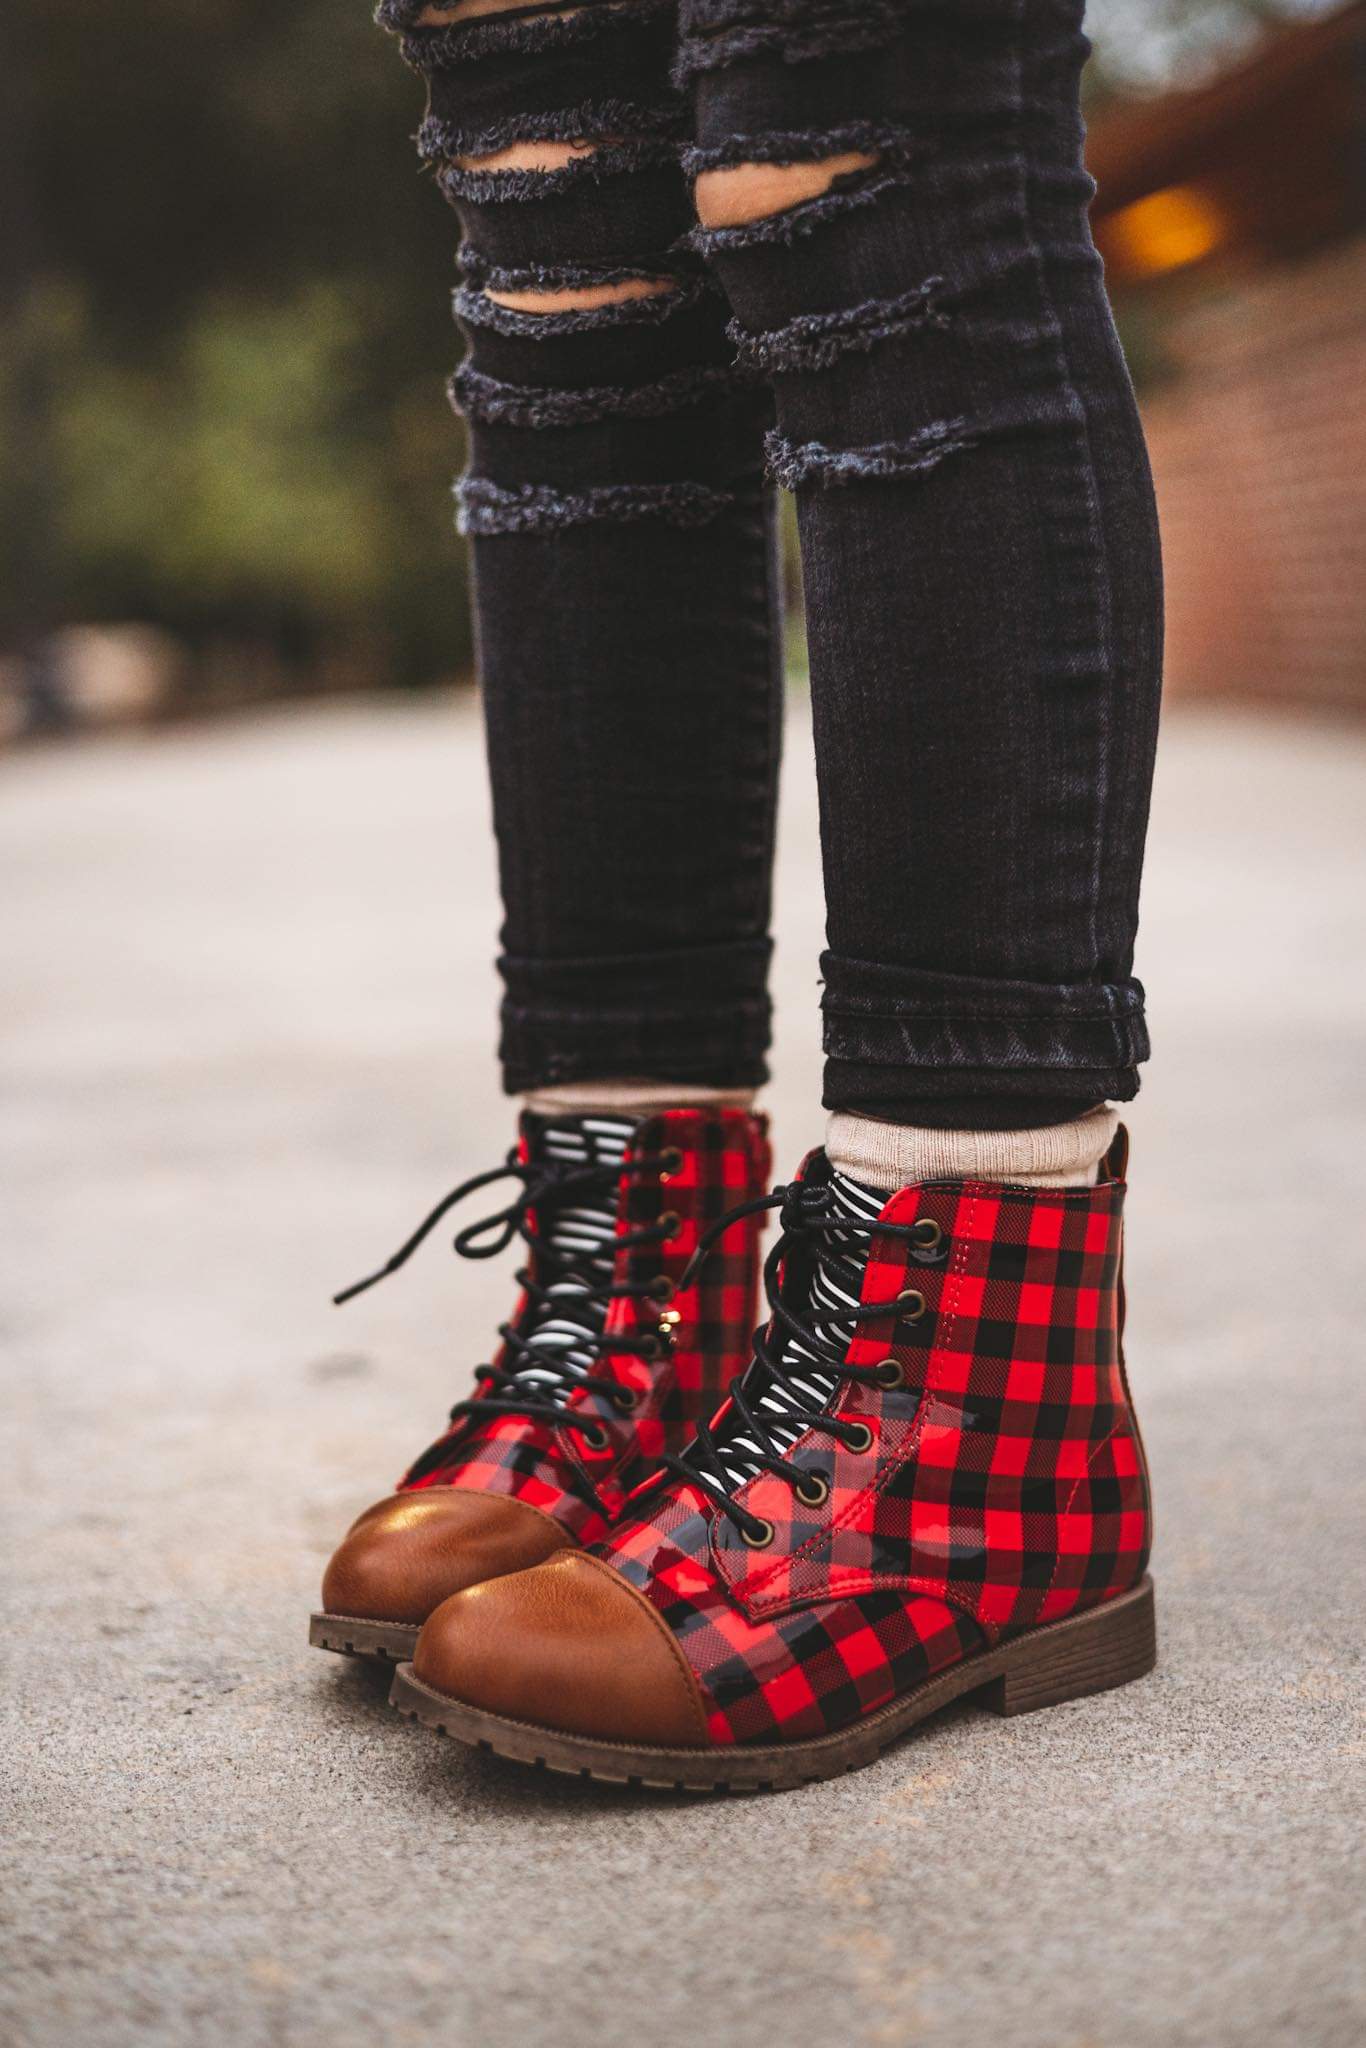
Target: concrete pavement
x: 247, y: 1038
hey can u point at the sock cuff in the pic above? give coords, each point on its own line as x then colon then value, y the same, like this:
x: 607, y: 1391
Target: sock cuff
x: 889, y: 1156
x: 632, y: 1097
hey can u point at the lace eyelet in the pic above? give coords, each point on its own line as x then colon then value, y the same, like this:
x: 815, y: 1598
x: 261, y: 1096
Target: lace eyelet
x: 648, y: 1347
x: 927, y: 1235
x: 860, y: 1438
x: 762, y: 1541
x: 625, y: 1400
x: 890, y: 1373
x: 813, y: 1491
x: 910, y: 1306
x: 594, y: 1435
x: 662, y: 1288
x: 670, y: 1161
x: 670, y: 1223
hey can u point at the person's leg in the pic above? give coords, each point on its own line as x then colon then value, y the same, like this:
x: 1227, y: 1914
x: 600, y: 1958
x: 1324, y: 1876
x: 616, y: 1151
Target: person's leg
x: 978, y: 535
x: 930, y: 1481
x: 625, y: 608
x: 621, y: 539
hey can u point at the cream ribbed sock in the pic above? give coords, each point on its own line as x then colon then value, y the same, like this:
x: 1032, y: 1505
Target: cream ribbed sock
x: 632, y: 1097
x: 889, y: 1156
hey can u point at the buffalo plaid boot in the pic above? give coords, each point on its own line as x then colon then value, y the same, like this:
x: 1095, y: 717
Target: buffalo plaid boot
x: 611, y: 1361
x: 928, y: 1483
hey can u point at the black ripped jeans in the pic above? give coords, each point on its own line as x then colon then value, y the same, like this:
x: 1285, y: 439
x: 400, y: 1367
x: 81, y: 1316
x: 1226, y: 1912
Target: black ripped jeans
x: 925, y: 356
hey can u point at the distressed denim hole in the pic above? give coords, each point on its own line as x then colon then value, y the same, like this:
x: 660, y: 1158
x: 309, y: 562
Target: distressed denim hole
x: 476, y: 10
x: 584, y: 298
x: 546, y: 153
x: 741, y: 193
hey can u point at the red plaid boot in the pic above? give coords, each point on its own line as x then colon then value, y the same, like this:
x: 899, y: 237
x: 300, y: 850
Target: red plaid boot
x: 929, y: 1483
x: 611, y: 1361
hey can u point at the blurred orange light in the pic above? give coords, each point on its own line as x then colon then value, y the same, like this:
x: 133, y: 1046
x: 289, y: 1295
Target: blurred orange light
x: 1165, y: 231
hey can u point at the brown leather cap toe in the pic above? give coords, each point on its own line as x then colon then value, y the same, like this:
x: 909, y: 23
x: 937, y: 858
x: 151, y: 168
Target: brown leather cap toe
x: 407, y: 1554
x: 568, y: 1645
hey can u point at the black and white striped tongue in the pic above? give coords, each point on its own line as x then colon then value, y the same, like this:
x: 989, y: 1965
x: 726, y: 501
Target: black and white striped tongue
x: 836, y: 1283
x: 585, y: 1233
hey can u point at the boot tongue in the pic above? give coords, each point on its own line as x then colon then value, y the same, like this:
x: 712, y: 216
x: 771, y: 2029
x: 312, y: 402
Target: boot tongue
x: 582, y: 1228
x: 836, y: 1282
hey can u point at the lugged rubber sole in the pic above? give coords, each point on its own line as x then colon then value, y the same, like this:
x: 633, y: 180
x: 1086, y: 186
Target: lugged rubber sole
x: 389, y: 1641
x: 1091, y: 1652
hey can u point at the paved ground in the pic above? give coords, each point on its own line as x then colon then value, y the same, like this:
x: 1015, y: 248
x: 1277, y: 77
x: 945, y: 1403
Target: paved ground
x: 247, y: 1039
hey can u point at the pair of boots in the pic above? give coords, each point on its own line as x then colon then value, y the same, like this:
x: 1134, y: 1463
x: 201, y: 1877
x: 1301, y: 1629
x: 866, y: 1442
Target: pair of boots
x: 650, y: 1549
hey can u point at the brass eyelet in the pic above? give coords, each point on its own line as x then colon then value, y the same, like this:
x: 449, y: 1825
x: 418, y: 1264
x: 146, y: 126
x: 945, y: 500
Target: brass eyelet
x: 594, y: 1435
x: 670, y: 1223
x: 662, y: 1288
x: 890, y: 1373
x: 814, y: 1490
x: 860, y: 1437
x: 759, y: 1542
x: 625, y: 1400
x: 670, y: 1161
x: 910, y: 1306
x: 927, y: 1235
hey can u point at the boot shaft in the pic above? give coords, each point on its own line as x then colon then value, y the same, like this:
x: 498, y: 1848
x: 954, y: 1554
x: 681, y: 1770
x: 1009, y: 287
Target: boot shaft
x: 999, y: 1466
x: 683, y: 1344
x: 667, y: 1352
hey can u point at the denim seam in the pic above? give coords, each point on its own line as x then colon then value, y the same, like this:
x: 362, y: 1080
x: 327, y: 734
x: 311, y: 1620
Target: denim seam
x: 868, y: 25
x: 724, y: 1016
x: 594, y: 167
x: 796, y: 463
x: 709, y: 954
x: 1050, y: 1047
x: 491, y: 400
x: 485, y: 507
x: 1100, y: 591
x: 816, y: 341
x: 854, y: 1011
x: 1087, y: 1002
x: 800, y: 145
x: 765, y: 707
x: 448, y: 47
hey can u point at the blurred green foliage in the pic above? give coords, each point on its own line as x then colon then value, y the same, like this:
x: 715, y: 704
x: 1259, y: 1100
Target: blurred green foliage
x: 226, y: 332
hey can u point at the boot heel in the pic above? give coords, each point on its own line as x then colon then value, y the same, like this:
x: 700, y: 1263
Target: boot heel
x: 1091, y: 1653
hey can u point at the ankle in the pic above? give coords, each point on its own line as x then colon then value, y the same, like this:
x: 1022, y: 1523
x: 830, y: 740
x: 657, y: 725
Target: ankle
x: 887, y: 1156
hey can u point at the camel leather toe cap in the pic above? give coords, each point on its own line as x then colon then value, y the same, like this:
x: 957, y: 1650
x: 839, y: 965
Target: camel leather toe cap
x: 568, y: 1645
x: 407, y: 1554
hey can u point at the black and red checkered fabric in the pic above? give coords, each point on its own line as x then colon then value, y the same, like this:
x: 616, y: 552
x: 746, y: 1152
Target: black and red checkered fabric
x: 1003, y: 1486
x: 704, y: 1328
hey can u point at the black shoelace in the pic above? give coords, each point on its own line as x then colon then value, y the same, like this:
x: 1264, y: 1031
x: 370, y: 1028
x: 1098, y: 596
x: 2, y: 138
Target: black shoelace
x: 532, y: 1381
x: 806, y: 1225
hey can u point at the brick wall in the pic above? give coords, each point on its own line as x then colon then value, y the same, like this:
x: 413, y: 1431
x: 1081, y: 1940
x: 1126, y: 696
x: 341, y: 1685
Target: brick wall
x: 1259, y: 455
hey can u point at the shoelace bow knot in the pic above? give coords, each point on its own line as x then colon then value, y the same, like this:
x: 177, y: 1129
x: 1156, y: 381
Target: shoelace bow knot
x: 560, y: 1281
x: 805, y: 1222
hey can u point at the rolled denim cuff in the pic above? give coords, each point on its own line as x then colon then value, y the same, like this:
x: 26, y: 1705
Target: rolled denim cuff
x: 899, y: 1032
x: 698, y: 1014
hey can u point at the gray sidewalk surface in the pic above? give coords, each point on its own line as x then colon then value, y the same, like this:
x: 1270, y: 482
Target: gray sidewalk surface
x: 247, y: 1040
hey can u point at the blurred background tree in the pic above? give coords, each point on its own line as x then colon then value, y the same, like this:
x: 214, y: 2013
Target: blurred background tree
x: 225, y: 329
x: 225, y: 334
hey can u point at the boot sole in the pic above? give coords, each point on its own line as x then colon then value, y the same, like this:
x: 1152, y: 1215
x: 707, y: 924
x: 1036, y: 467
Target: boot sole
x: 391, y: 1642
x: 1088, y: 1653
